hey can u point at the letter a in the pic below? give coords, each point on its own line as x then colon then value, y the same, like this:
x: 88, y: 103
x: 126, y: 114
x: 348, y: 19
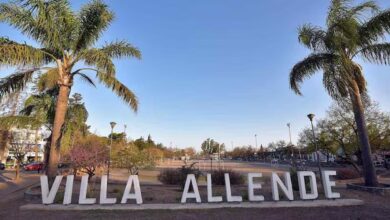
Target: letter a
x: 137, y: 190
x: 187, y: 195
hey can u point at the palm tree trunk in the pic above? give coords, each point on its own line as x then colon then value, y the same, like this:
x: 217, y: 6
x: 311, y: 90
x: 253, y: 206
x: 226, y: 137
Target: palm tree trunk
x: 59, y: 119
x: 370, y: 177
x: 36, y: 145
x: 46, y: 155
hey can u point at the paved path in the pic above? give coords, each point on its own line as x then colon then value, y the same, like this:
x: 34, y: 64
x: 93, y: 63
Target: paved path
x: 8, y: 186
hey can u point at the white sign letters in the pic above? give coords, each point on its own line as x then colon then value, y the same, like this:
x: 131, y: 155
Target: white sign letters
x: 132, y: 190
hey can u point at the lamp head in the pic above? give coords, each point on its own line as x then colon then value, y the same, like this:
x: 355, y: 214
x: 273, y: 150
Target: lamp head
x: 310, y: 116
x: 112, y: 124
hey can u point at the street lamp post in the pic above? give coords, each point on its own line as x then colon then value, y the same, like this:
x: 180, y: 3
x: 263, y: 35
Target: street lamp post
x: 112, y: 124
x: 124, y: 135
x: 311, y: 117
x: 256, y: 155
x: 210, y: 153
x: 289, y: 132
x: 256, y: 140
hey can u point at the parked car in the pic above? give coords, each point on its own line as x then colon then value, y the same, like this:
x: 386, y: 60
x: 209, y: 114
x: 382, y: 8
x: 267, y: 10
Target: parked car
x: 2, y: 166
x: 64, y: 165
x: 33, y: 166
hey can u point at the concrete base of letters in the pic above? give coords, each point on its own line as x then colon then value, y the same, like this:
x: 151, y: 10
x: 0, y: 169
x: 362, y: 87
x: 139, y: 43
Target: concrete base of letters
x: 189, y: 206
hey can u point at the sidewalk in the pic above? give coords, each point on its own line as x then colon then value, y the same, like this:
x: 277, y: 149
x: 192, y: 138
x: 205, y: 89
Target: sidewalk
x: 8, y: 185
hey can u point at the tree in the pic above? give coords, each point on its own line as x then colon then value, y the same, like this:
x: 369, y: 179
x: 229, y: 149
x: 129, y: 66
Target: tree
x: 9, y: 106
x: 338, y: 131
x: 141, y: 143
x: 190, y: 151
x: 378, y: 122
x: 75, y: 125
x: 132, y: 159
x: 65, y: 38
x: 117, y: 137
x: 210, y: 147
x: 19, y: 147
x: 88, y: 155
x: 351, y: 31
x: 38, y: 112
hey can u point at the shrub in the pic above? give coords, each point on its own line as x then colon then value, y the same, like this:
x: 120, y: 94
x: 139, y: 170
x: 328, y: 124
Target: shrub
x: 346, y: 174
x: 59, y: 198
x: 178, y: 176
x: 218, y: 177
x: 170, y: 176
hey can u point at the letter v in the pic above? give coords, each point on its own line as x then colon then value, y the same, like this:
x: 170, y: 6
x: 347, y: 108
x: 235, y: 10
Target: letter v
x: 49, y: 195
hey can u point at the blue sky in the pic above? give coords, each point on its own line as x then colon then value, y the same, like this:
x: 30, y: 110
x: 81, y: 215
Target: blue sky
x: 213, y: 68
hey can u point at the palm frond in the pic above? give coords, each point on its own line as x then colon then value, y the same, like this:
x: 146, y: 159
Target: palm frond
x: 377, y: 53
x: 15, y: 54
x: 121, y: 49
x: 48, y: 80
x: 41, y: 106
x: 337, y: 10
x: 49, y: 22
x: 8, y: 122
x: 85, y: 78
x: 360, y: 9
x: 15, y: 82
x: 375, y: 28
x: 307, y: 67
x: 312, y: 37
x: 120, y: 90
x: 99, y: 59
x: 94, y: 18
x: 334, y: 82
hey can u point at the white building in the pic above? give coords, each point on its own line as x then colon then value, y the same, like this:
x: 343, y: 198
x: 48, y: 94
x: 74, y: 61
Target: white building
x: 322, y: 156
x: 31, y: 140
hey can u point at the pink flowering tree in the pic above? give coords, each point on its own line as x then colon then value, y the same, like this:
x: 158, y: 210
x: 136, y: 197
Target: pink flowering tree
x: 87, y: 157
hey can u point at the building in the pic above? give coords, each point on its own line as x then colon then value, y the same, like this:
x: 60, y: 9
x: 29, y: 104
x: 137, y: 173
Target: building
x: 30, y: 142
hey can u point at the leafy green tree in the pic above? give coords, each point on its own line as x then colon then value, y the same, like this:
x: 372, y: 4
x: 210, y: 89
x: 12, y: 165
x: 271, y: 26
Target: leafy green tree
x: 337, y: 132
x: 65, y: 40
x: 210, y: 147
x: 75, y: 125
x: 351, y: 31
x: 117, y: 137
x: 39, y: 110
x: 141, y: 143
x: 132, y: 159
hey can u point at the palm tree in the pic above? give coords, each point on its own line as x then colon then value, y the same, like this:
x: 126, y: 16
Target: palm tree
x: 351, y: 31
x: 39, y: 111
x: 66, y: 41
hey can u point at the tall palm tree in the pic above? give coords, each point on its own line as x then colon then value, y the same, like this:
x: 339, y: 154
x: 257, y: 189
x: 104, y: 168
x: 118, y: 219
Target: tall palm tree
x: 351, y: 32
x: 65, y: 39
